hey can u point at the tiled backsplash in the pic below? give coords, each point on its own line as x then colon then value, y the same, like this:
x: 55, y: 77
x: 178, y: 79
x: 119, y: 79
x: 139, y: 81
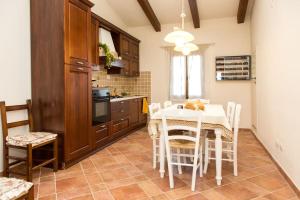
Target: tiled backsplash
x: 131, y: 85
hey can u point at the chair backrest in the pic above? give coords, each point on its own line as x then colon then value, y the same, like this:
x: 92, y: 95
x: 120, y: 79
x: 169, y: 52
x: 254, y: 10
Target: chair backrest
x: 170, y: 123
x: 5, y: 125
x: 167, y: 104
x: 230, y: 112
x: 237, y: 117
x: 153, y: 108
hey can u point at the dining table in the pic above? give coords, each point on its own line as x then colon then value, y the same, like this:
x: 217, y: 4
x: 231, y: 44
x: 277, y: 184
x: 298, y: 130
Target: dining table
x: 213, y: 118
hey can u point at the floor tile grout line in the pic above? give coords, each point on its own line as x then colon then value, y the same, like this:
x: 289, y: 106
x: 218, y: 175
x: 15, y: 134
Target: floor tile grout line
x: 80, y: 164
x: 102, y: 180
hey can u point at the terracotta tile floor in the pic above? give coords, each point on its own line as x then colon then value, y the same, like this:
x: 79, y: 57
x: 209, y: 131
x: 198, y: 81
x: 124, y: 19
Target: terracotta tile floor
x: 123, y: 171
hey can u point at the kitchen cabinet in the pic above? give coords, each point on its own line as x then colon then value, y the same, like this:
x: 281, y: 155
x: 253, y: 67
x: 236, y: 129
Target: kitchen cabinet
x: 61, y: 74
x: 77, y: 27
x: 126, y: 66
x: 126, y: 115
x: 77, y: 111
x: 134, y: 111
x: 126, y: 46
x: 142, y: 116
x: 100, y: 134
x: 134, y: 68
x: 95, y: 42
x: 130, y: 56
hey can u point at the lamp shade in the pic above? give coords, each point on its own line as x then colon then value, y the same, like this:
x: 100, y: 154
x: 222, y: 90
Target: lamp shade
x: 187, y: 48
x: 179, y: 37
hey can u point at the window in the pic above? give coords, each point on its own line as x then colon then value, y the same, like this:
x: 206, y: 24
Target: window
x: 186, y: 78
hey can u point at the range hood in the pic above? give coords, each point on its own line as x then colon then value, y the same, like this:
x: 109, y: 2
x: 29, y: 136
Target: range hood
x: 106, y: 38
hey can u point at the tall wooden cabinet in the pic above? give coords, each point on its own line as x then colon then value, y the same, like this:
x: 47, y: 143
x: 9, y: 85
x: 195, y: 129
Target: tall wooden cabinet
x: 61, y: 73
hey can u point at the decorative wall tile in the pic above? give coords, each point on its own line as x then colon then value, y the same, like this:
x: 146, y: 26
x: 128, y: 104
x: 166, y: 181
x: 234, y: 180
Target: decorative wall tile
x: 131, y: 85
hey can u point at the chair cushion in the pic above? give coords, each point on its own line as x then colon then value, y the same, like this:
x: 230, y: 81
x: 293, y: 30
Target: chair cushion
x: 34, y: 138
x: 11, y: 188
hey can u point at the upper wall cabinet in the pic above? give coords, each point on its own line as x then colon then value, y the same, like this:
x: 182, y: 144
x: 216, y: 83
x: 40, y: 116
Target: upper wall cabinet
x: 78, y: 24
x: 126, y: 46
x: 130, y: 55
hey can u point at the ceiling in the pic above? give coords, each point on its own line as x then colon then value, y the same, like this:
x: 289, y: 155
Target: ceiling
x: 168, y: 11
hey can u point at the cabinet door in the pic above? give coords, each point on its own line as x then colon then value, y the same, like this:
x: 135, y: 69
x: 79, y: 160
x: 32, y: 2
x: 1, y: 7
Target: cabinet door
x: 95, y: 42
x: 100, y: 133
x: 125, y: 46
x: 78, y: 25
x: 142, y: 116
x: 134, y: 68
x: 135, y: 50
x: 134, y: 112
x: 78, y: 111
x: 126, y: 66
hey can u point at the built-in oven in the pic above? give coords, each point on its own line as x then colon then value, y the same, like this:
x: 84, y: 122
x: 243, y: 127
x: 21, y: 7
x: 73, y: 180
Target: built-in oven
x: 101, y: 105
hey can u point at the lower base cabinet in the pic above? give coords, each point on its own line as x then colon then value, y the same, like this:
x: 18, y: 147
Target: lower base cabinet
x: 100, y: 134
x: 126, y: 116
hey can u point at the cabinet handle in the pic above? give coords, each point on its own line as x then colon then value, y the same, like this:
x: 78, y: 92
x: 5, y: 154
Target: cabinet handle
x: 80, y: 68
x: 122, y: 119
x: 80, y: 63
x: 122, y: 102
x: 122, y: 111
x: 103, y: 126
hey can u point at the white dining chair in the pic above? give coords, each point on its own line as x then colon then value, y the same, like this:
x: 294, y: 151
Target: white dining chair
x: 189, y: 142
x: 167, y: 104
x: 230, y: 112
x: 153, y: 108
x: 230, y: 152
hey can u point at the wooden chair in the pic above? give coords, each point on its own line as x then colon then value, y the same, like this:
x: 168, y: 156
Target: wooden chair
x: 231, y: 145
x: 27, y: 141
x: 16, y: 189
x: 184, y: 142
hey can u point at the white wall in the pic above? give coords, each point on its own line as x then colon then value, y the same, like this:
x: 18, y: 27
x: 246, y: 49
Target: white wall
x: 103, y: 9
x: 228, y: 37
x: 15, y: 57
x: 15, y: 74
x: 276, y: 31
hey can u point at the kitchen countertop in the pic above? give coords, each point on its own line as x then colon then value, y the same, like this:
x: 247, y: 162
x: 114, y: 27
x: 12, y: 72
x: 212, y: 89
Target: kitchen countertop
x: 126, y: 98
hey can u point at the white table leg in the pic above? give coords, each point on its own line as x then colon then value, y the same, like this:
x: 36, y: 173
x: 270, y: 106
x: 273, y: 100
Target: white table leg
x: 162, y: 155
x: 218, y: 146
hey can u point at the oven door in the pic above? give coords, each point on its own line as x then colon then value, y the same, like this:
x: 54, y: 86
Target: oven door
x: 101, y: 110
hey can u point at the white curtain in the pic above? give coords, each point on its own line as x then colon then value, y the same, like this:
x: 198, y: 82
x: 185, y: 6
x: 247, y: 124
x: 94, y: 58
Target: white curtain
x: 177, y: 77
x: 186, y: 72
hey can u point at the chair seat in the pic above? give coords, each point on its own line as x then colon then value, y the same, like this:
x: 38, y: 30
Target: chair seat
x: 34, y: 138
x: 182, y: 144
x: 11, y: 188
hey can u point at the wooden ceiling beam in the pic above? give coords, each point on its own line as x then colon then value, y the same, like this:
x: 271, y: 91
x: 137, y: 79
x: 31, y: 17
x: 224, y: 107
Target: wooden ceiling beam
x: 150, y: 14
x: 195, y: 13
x: 242, y: 11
